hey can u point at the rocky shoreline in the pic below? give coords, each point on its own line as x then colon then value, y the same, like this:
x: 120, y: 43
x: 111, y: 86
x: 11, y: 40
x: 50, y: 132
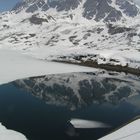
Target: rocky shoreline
x: 90, y: 63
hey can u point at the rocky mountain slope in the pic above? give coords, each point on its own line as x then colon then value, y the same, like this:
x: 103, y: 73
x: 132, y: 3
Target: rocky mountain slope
x: 106, y: 10
x: 77, y: 31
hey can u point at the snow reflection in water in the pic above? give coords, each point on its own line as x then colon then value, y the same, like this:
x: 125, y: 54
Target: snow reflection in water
x: 112, y: 99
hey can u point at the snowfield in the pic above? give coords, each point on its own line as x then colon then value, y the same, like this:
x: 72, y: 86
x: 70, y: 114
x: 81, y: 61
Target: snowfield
x: 129, y: 132
x: 14, y: 65
x: 6, y: 134
x: 61, y: 38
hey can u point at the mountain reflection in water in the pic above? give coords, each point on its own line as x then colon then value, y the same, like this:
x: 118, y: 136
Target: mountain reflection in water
x: 78, y: 90
x: 110, y: 98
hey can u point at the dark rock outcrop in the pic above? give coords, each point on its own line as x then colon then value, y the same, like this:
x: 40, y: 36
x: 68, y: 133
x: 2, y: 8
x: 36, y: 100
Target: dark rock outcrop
x: 92, y: 9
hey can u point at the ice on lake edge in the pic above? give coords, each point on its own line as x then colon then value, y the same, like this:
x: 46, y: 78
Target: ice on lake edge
x: 7, y: 134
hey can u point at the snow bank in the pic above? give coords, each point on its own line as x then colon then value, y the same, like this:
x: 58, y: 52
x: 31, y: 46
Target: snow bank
x: 128, y: 132
x: 14, y: 65
x: 6, y: 134
x: 79, y: 123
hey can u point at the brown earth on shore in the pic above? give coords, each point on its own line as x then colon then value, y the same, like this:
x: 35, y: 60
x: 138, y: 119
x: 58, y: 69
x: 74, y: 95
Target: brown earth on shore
x: 94, y: 64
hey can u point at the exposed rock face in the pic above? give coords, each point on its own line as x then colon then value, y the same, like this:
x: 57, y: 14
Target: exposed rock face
x: 36, y: 20
x: 98, y: 10
x: 60, y: 5
x: 128, y: 8
x: 115, y: 30
x: 64, y: 4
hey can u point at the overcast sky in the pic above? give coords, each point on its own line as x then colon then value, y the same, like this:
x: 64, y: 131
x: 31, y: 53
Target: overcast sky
x: 9, y: 4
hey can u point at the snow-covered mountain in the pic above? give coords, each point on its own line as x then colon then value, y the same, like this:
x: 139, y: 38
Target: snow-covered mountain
x: 99, y: 31
x: 106, y: 10
x: 77, y: 90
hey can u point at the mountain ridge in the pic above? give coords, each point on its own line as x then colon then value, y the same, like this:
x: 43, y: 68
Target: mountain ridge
x: 107, y: 10
x: 67, y: 36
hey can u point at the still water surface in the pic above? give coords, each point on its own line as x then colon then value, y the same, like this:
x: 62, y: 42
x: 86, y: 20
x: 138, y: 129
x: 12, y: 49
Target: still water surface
x: 41, y: 107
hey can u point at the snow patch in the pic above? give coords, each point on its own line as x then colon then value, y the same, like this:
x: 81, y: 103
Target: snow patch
x: 14, y: 65
x: 129, y: 132
x: 6, y: 134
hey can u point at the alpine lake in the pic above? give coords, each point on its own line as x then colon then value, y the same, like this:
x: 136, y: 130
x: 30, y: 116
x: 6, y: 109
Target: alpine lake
x: 41, y: 107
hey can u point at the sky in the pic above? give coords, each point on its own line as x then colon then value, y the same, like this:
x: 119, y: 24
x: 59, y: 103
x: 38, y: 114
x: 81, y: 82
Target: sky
x: 9, y: 4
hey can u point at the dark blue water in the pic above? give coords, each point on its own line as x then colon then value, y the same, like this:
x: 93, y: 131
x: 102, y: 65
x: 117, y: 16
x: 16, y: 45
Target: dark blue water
x: 39, y: 117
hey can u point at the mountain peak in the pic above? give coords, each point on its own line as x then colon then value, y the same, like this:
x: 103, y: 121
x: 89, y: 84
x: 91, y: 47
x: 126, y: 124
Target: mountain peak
x: 105, y: 10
